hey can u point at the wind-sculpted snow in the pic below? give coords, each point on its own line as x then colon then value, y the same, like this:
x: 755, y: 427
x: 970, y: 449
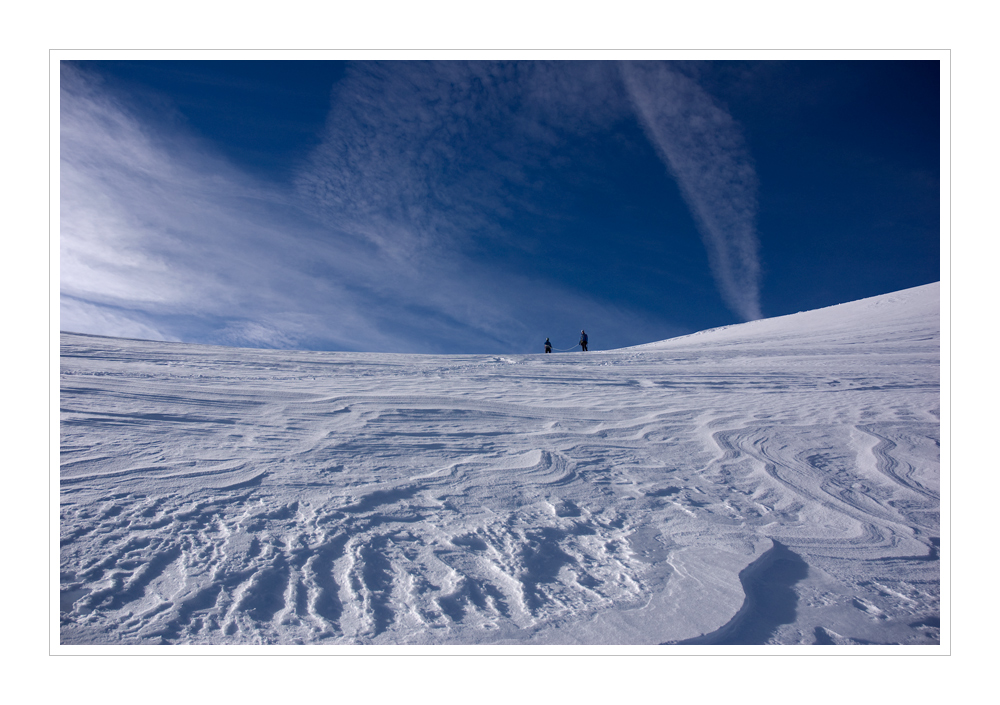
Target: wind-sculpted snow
x: 774, y: 482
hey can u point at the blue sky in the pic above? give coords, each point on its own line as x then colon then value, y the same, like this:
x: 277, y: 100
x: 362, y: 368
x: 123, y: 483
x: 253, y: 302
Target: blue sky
x: 455, y: 206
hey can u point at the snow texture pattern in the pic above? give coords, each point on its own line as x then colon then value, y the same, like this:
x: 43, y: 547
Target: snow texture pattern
x: 775, y: 482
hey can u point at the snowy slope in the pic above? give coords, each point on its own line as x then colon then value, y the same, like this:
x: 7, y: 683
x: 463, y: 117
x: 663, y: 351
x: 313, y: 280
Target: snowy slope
x: 771, y: 482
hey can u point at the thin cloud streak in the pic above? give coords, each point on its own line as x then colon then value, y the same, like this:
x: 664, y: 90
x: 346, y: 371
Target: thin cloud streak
x: 703, y: 147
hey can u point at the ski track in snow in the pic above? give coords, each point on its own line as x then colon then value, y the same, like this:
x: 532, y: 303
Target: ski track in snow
x: 774, y: 482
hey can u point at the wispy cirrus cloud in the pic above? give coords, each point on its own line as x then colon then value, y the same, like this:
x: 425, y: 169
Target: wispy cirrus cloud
x: 430, y: 154
x: 703, y: 147
x: 162, y: 238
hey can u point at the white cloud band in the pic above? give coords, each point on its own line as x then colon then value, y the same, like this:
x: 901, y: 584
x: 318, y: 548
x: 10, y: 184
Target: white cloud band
x: 703, y: 147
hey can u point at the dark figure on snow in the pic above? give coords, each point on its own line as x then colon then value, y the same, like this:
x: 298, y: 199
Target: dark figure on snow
x: 583, y: 340
x: 548, y: 346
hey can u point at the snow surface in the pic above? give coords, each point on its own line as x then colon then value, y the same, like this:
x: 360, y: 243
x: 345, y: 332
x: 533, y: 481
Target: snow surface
x: 775, y: 482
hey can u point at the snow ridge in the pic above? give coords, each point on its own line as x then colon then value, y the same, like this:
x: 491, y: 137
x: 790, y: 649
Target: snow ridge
x: 773, y: 482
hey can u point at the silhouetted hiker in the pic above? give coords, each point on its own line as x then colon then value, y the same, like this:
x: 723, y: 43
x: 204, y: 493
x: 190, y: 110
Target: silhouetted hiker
x: 583, y: 340
x: 548, y: 346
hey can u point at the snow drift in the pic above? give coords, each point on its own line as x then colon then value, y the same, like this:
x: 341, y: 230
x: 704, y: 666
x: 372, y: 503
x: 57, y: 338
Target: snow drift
x: 775, y: 482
